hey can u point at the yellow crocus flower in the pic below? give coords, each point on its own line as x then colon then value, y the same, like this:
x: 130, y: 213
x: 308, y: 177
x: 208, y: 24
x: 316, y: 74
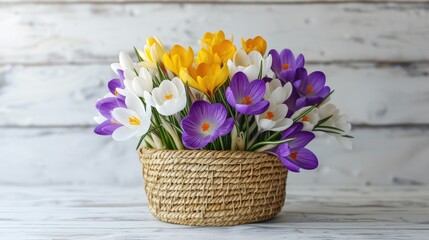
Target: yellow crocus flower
x: 205, y: 78
x: 178, y: 58
x: 258, y: 43
x: 152, y: 53
x: 212, y: 39
x: 217, y: 44
x: 205, y: 56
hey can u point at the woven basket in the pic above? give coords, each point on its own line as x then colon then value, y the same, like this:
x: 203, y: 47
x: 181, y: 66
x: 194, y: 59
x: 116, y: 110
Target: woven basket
x: 213, y: 188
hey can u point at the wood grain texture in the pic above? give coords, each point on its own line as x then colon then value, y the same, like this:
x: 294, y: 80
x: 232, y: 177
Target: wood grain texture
x: 64, y: 95
x: 213, y: 1
x: 65, y: 212
x: 77, y: 156
x: 46, y: 33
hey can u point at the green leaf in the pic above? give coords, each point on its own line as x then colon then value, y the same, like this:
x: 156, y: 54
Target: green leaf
x: 144, y: 135
x: 260, y: 71
x: 326, y: 131
x: 161, y: 73
x: 260, y: 144
x: 329, y: 127
x: 347, y: 136
x: 323, y: 121
x: 138, y: 55
x: 311, y: 108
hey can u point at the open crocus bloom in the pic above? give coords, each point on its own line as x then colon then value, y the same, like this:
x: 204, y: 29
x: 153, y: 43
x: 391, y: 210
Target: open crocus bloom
x: 293, y: 154
x: 274, y: 119
x: 246, y: 97
x: 204, y: 124
x: 310, y: 119
x: 138, y: 84
x: 169, y: 98
x: 135, y: 120
x: 249, y: 64
x: 285, y: 64
x: 152, y: 53
x: 311, y: 87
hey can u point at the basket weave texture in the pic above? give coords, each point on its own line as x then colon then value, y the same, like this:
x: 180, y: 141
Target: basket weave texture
x: 213, y: 188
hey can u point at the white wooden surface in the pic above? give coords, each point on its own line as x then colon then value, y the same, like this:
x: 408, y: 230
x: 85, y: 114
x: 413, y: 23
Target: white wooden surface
x: 54, y: 64
x: 121, y: 213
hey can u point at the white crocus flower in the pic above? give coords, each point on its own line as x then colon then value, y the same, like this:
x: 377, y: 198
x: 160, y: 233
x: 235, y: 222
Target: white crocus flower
x: 249, y: 64
x: 140, y: 83
x: 125, y: 63
x: 274, y: 119
x: 275, y: 93
x: 135, y: 119
x: 169, y: 98
x: 337, y: 120
x: 309, y: 120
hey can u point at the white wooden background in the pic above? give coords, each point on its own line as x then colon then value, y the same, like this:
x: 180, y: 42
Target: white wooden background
x: 54, y: 64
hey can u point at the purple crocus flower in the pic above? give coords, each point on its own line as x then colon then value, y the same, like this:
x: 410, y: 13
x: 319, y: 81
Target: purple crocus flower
x: 246, y: 97
x: 204, y: 124
x: 311, y: 88
x: 117, y: 83
x: 293, y: 154
x: 105, y: 106
x: 285, y: 64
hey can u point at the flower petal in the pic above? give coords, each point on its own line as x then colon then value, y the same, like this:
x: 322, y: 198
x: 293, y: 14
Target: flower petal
x: 194, y: 141
x: 123, y: 133
x: 306, y: 159
x: 301, y: 140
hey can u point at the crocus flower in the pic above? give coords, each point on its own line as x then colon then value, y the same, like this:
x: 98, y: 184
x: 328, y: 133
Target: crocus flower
x: 206, y: 78
x: 336, y: 120
x: 293, y: 154
x: 218, y: 45
x: 204, y: 124
x: 258, y: 44
x: 117, y: 83
x: 152, y: 53
x: 125, y: 64
x: 138, y: 84
x: 178, y: 58
x: 107, y: 123
x: 246, y: 97
x: 277, y: 92
x: 274, y: 119
x: 169, y: 98
x: 310, y: 119
x: 311, y: 88
x: 249, y: 64
x: 135, y: 120
x: 285, y: 64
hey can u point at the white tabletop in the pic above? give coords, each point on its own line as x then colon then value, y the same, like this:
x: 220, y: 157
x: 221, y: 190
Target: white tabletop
x: 65, y: 212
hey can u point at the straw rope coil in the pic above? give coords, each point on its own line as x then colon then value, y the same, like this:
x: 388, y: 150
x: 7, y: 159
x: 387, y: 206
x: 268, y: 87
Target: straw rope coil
x: 213, y: 188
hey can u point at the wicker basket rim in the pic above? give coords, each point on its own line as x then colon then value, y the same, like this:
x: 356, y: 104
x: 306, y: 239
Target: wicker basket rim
x: 140, y: 150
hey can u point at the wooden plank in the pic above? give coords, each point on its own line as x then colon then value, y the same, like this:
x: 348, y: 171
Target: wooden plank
x: 46, y: 33
x: 65, y: 95
x: 39, y: 156
x: 82, y: 212
x: 212, y: 1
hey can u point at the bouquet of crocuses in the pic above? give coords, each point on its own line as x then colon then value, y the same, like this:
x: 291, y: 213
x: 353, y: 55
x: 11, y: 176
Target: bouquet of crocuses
x: 225, y: 97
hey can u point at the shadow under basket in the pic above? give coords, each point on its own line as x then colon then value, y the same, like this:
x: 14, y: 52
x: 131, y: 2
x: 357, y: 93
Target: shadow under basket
x: 213, y: 188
